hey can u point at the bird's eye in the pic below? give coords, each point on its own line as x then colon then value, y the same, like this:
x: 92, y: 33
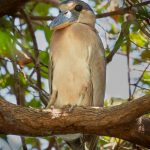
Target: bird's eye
x: 78, y: 7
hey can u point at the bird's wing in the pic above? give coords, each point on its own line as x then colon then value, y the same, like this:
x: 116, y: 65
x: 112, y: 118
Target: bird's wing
x: 98, y: 71
x: 53, y: 95
x: 98, y: 75
x: 50, y: 72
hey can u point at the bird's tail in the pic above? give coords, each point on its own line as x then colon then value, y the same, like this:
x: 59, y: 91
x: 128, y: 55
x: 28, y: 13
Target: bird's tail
x: 90, y: 142
x: 87, y: 142
x: 76, y: 144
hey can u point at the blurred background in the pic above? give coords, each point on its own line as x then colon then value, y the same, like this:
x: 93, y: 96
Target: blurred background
x: 24, y: 47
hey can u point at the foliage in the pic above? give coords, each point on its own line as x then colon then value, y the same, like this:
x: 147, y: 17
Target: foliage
x: 24, y: 68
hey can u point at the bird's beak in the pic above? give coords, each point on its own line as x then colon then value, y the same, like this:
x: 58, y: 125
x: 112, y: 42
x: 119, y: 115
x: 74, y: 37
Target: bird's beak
x: 62, y: 20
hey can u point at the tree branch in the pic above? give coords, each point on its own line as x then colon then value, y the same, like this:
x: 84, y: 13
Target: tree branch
x: 53, y: 2
x: 9, y: 7
x: 122, y: 11
x: 117, y: 121
x: 36, y: 52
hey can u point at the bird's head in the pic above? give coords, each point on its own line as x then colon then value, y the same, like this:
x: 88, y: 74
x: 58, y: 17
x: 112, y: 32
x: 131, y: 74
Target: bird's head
x: 73, y: 11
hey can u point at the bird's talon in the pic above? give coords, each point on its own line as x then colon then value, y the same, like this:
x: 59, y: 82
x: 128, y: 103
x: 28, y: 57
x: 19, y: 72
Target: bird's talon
x: 66, y: 106
x: 72, y: 107
x: 69, y: 107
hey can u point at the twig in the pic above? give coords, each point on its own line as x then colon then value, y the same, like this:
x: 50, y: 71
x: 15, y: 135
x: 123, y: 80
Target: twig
x: 43, y: 92
x: 143, y: 88
x: 136, y: 84
x: 19, y: 90
x: 117, y: 44
x: 143, y: 30
x: 24, y: 146
x: 36, y: 51
x: 140, y: 60
x: 7, y: 60
x: 52, y: 2
x: 128, y: 66
x: 120, y: 11
x: 45, y: 18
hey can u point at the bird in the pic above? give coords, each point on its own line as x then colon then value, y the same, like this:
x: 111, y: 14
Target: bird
x: 77, y: 69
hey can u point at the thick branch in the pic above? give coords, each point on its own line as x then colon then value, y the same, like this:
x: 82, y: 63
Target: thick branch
x: 118, y: 121
x: 10, y: 6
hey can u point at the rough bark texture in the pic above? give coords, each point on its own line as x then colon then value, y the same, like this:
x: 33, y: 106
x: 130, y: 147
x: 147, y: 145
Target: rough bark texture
x: 9, y: 7
x: 120, y: 121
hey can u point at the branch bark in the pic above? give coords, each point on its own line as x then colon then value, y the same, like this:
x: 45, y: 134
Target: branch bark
x: 120, y: 121
x: 9, y: 7
x: 122, y: 11
x: 119, y: 11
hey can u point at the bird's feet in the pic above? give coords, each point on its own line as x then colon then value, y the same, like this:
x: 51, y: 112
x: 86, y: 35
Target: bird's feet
x: 82, y: 96
x: 69, y: 107
x: 52, y: 99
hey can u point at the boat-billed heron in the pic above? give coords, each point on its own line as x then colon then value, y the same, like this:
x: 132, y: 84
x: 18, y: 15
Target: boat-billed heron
x: 77, y: 64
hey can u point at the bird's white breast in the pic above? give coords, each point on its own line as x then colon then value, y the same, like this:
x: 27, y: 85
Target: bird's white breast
x: 71, y: 69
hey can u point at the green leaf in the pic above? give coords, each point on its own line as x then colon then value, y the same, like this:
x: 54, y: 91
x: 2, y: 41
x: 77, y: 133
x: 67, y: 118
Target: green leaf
x: 44, y: 57
x: 138, y: 39
x: 107, y: 52
x: 41, y: 9
x: 146, y: 78
x: 102, y: 142
x: 31, y: 140
x: 114, y: 29
x: 6, y: 80
x: 124, y: 47
x: 136, y: 62
x: 34, y: 103
x: 119, y: 42
x: 5, y: 42
x: 146, y: 55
